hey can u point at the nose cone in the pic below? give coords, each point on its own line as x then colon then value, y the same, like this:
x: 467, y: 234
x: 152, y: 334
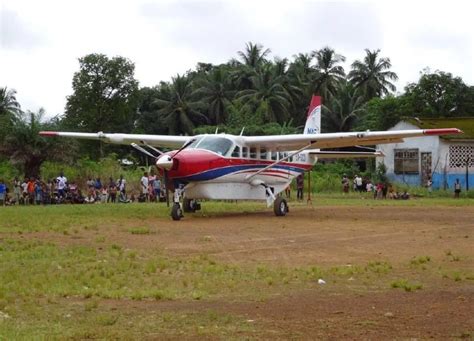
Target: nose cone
x: 165, y: 162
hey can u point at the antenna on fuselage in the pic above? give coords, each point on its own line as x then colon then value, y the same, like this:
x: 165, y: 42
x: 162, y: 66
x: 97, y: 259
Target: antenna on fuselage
x: 242, y: 131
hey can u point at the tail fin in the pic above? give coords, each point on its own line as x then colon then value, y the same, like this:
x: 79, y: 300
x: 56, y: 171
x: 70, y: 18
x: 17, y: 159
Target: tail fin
x: 313, y: 122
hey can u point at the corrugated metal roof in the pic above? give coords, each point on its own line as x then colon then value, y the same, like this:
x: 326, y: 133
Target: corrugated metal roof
x: 466, y: 124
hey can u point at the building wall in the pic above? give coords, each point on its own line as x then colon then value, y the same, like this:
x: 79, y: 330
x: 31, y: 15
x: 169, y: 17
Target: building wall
x: 443, y: 175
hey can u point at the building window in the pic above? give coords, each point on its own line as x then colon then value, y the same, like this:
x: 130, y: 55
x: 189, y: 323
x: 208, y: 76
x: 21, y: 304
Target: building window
x: 460, y: 155
x: 406, y: 161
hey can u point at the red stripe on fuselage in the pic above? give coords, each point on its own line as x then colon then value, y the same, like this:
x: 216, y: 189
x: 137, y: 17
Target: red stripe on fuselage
x: 195, y: 161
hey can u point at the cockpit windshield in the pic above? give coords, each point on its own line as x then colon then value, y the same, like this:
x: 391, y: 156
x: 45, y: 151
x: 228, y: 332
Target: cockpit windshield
x: 216, y: 144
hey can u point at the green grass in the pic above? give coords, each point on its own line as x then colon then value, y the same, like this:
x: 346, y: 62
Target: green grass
x: 406, y: 285
x: 57, y: 291
x: 72, y: 285
x: 64, y: 217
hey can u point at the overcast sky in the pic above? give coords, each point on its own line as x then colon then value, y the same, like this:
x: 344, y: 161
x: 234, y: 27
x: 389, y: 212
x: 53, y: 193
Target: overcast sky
x: 41, y: 41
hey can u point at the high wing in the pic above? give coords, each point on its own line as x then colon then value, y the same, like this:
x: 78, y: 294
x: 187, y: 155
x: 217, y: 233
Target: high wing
x: 337, y: 140
x: 166, y: 141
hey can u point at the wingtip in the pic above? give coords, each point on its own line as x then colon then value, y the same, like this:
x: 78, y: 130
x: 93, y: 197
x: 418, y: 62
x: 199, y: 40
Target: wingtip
x: 443, y: 131
x: 48, y: 133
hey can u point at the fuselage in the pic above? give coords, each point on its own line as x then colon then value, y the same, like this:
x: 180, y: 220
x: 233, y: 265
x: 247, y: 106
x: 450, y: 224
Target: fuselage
x: 222, y: 167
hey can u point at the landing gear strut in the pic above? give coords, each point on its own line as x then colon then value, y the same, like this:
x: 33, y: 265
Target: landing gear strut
x: 280, y: 207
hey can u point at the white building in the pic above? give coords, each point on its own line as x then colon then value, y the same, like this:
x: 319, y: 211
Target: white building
x: 444, y: 159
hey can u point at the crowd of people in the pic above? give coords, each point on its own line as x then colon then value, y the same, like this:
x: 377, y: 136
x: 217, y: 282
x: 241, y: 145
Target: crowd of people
x: 37, y: 191
x: 380, y: 190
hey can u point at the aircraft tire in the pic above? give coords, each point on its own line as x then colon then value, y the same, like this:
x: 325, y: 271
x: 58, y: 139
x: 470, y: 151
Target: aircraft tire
x: 189, y: 205
x: 176, y: 212
x: 280, y: 207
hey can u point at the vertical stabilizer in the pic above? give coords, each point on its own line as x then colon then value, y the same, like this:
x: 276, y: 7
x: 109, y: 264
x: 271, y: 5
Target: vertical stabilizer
x: 313, y: 122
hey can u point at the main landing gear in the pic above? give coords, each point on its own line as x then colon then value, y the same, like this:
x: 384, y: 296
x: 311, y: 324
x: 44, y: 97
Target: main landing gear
x: 189, y: 206
x: 280, y: 207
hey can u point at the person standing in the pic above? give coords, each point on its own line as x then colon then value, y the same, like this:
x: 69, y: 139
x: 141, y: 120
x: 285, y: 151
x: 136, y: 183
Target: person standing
x: 157, y: 188
x: 299, y: 186
x: 24, y: 190
x: 358, y: 183
x: 3, y: 193
x: 345, y: 184
x: 144, y: 184
x: 61, y: 183
x: 369, y: 187
x: 16, y: 190
x: 121, y: 184
x: 31, y: 190
x: 429, y: 185
x: 112, y: 197
x: 457, y: 189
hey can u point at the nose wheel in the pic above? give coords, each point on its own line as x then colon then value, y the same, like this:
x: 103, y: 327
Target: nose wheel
x: 280, y: 207
x: 176, y: 212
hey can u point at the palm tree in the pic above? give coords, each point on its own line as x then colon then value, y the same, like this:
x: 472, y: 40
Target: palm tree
x: 328, y: 72
x: 254, y: 55
x: 251, y: 60
x: 342, y: 112
x: 372, y: 76
x: 214, y: 90
x: 8, y: 102
x: 27, y: 150
x: 9, y: 109
x: 180, y: 112
x: 268, y: 95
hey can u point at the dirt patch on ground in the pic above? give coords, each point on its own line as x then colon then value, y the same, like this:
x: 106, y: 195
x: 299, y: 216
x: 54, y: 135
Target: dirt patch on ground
x: 323, y: 236
x: 307, y: 236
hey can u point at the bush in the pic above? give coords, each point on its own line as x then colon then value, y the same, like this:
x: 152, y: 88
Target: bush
x: 8, y: 172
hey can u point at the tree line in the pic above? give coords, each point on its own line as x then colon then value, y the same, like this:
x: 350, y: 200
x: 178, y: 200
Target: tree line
x: 264, y: 95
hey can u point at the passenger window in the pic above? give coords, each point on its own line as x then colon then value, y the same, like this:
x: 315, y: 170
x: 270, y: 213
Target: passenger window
x: 245, y: 152
x: 263, y: 154
x: 253, y: 153
x: 274, y: 156
x: 236, y: 152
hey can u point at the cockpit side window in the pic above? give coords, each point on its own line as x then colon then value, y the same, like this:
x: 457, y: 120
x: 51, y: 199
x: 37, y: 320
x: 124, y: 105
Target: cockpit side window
x: 195, y: 143
x: 236, y: 152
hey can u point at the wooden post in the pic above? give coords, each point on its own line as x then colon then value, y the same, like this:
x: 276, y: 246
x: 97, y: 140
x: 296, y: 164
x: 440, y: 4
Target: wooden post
x: 308, y: 201
x: 467, y: 173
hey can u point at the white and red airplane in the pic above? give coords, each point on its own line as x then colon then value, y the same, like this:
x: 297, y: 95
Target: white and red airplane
x: 231, y: 167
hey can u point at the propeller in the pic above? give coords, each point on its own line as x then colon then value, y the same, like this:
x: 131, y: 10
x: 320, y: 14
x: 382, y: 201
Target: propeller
x: 163, y: 161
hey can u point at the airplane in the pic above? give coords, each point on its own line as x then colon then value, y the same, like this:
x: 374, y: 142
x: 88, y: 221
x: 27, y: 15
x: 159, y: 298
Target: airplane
x: 238, y: 167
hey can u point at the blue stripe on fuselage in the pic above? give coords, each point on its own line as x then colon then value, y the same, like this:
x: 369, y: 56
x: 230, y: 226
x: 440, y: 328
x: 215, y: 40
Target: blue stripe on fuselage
x: 218, y: 172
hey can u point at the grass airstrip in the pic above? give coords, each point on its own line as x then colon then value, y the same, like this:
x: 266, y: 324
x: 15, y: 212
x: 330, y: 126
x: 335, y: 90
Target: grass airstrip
x: 128, y: 271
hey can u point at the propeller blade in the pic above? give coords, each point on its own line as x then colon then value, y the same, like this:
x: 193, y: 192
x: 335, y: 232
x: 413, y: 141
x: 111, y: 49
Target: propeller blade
x: 183, y: 147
